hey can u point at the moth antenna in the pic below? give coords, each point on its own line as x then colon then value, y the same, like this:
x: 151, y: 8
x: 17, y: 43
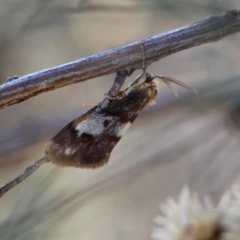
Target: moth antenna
x: 179, y: 83
x: 171, y: 87
x: 28, y: 171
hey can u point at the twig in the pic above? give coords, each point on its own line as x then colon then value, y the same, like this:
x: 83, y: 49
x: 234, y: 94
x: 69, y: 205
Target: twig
x: 126, y: 57
x: 28, y: 171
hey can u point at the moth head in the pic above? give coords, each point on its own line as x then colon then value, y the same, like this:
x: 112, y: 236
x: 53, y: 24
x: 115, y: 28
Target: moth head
x: 149, y: 77
x: 145, y: 86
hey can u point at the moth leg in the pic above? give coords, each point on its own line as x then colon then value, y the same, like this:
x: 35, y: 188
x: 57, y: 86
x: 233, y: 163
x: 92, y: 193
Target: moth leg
x: 121, y: 75
x: 118, y: 82
x: 90, y: 104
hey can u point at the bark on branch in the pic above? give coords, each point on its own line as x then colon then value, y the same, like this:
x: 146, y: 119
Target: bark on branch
x: 126, y: 57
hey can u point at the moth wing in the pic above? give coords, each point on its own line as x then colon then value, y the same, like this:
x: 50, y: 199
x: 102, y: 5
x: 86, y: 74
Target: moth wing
x: 99, y: 136
x: 75, y: 121
x: 87, y: 141
x: 66, y: 147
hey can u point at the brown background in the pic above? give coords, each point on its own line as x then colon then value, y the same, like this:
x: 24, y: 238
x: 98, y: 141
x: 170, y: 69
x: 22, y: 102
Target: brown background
x: 193, y: 140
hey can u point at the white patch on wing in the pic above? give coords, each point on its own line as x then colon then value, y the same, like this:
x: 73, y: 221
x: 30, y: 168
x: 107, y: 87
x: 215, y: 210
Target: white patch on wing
x: 57, y: 148
x: 67, y: 151
x: 122, y: 129
x: 94, y: 125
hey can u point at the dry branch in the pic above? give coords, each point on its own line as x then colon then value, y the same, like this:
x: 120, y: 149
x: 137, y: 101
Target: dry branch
x: 126, y: 57
x: 28, y: 171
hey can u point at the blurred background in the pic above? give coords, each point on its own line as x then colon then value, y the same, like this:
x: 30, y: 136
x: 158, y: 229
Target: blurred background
x: 193, y: 140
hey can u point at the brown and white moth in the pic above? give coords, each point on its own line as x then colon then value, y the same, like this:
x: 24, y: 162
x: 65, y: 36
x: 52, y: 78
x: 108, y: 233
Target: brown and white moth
x: 88, y: 141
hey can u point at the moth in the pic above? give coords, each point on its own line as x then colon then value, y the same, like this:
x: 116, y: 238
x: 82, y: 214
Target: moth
x: 88, y: 141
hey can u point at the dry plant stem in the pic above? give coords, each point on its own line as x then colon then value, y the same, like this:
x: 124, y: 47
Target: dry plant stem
x: 126, y: 57
x: 28, y: 171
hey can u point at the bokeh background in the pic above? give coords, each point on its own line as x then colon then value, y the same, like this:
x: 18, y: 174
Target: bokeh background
x: 193, y: 140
